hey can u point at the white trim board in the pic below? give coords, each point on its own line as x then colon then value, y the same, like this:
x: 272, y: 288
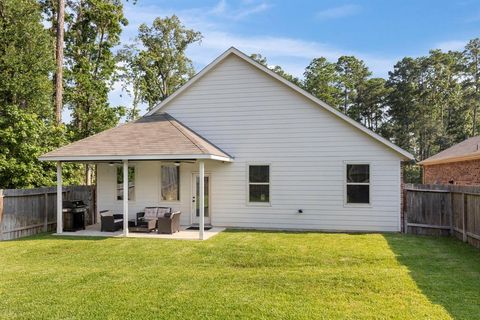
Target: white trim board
x: 137, y: 157
x: 406, y: 155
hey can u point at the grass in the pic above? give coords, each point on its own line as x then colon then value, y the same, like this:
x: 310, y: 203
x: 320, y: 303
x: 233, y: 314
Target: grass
x: 256, y: 275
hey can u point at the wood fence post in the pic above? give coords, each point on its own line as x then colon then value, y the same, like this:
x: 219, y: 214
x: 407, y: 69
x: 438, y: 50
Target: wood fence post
x: 1, y: 214
x: 464, y: 218
x: 451, y: 214
x: 405, y: 212
x: 45, y: 212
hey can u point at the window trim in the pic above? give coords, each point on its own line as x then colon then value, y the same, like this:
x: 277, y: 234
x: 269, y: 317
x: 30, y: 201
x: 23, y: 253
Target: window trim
x: 258, y: 204
x: 346, y: 183
x: 179, y: 183
x: 134, y: 177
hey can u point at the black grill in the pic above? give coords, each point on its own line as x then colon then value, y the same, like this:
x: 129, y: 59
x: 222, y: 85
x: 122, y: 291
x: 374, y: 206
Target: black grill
x: 74, y: 212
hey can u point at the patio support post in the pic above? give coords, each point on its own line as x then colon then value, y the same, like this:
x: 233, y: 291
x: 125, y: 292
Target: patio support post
x: 201, y: 193
x: 125, y: 198
x: 59, y: 198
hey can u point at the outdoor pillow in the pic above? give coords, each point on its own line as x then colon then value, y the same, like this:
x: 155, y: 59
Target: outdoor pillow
x: 164, y: 211
x: 150, y: 213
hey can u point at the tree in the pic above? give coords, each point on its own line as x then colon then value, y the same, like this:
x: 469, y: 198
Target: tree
x: 441, y: 100
x: 372, y: 103
x: 277, y: 69
x: 25, y: 58
x: 403, y: 102
x: 27, y: 127
x: 59, y: 62
x: 157, y: 63
x: 321, y: 79
x: 352, y: 73
x: 24, y: 137
x: 93, y: 29
x: 427, y: 112
x: 471, y: 83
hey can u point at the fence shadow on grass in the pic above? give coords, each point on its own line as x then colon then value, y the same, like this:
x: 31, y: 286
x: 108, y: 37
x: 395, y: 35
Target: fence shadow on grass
x: 446, y: 270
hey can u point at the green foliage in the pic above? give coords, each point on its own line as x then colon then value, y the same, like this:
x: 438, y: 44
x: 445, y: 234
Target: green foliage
x: 23, y: 138
x: 156, y: 65
x: 352, y: 73
x: 26, y: 59
x: 277, y: 69
x: 412, y: 173
x: 371, y: 104
x: 426, y: 103
x: 93, y: 29
x: 471, y: 83
x: 320, y: 80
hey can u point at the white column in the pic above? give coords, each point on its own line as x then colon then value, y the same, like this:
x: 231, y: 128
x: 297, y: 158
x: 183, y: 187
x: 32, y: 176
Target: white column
x: 201, y: 194
x: 59, y: 198
x: 125, y: 198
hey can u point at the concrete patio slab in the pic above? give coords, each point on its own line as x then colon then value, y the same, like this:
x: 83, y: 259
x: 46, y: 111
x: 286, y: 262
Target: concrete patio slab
x: 183, y: 234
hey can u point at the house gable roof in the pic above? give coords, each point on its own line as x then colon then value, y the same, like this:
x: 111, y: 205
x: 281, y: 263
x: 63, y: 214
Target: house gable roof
x: 463, y: 151
x: 158, y: 136
x: 260, y: 67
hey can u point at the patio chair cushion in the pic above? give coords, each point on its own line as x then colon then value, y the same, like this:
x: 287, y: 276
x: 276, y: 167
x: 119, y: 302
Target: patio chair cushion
x: 106, y: 213
x: 150, y: 213
x: 164, y: 212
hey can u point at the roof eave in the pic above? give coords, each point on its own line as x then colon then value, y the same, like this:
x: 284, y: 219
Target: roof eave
x: 169, y: 157
x: 428, y: 162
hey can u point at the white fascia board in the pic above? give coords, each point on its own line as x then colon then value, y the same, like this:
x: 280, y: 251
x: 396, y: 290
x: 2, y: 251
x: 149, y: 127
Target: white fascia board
x: 135, y: 157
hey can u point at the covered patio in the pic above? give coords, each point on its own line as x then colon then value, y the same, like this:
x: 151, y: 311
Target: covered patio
x: 155, y: 139
x: 184, y: 233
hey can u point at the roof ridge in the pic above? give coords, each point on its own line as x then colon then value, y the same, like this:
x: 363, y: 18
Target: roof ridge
x: 171, y: 119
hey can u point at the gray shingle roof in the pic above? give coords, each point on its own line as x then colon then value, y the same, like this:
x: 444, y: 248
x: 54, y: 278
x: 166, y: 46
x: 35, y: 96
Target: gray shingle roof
x: 466, y: 150
x: 156, y: 135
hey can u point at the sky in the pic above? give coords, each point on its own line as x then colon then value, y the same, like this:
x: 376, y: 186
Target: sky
x: 292, y: 33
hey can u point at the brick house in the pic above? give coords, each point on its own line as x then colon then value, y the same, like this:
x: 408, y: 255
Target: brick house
x: 459, y: 164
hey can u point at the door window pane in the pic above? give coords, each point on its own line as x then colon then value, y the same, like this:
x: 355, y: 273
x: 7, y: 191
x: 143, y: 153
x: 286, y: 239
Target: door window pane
x: 206, y: 197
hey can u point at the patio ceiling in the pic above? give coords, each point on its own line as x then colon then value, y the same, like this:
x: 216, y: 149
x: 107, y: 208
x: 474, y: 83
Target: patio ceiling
x: 155, y: 137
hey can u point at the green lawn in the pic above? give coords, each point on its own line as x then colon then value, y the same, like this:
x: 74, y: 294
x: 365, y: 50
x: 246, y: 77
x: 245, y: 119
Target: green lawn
x: 237, y: 274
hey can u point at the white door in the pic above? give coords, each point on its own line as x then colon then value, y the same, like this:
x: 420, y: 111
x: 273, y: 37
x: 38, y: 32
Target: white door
x: 196, y: 200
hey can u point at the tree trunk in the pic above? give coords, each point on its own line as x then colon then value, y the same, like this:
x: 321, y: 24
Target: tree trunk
x: 474, y: 119
x: 59, y: 62
x: 88, y: 175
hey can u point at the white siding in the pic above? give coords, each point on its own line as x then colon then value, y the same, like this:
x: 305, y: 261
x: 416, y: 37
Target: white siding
x: 147, y: 189
x: 255, y: 118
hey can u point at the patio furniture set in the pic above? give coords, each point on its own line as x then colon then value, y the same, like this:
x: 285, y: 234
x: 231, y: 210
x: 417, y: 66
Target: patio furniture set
x: 161, y: 219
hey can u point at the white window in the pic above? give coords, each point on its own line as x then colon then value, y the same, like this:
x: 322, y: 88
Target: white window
x: 170, y: 183
x: 259, y: 184
x: 131, y: 183
x: 357, y: 183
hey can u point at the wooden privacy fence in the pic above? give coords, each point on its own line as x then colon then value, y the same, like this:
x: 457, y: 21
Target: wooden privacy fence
x: 25, y: 212
x: 443, y: 210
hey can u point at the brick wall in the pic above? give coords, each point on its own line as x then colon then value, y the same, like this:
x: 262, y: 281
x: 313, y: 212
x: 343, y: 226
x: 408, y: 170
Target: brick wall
x: 461, y: 173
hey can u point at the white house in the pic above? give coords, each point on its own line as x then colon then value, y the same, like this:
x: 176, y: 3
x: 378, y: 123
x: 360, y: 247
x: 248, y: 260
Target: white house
x: 272, y: 156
